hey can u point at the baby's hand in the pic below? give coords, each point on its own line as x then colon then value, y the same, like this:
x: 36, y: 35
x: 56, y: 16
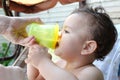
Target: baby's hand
x: 37, y: 54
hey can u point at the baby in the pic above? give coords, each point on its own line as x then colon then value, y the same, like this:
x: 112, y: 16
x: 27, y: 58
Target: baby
x: 88, y: 34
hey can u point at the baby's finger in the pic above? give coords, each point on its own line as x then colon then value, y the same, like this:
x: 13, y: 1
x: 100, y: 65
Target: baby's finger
x: 27, y: 60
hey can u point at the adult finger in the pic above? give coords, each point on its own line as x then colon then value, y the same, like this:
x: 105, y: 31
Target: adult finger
x: 27, y: 41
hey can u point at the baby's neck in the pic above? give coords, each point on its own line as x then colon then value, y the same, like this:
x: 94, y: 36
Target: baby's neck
x: 78, y: 63
x: 74, y: 65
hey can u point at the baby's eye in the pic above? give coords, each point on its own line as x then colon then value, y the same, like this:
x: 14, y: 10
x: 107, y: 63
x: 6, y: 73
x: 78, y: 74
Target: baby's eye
x: 66, y: 31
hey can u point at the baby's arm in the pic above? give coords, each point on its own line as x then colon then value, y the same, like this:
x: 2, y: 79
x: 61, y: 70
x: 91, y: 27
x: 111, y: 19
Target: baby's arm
x: 33, y: 73
x: 39, y: 58
x: 52, y: 72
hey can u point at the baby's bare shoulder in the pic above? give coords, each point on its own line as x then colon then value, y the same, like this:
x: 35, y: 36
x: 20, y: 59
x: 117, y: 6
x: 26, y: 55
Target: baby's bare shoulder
x: 90, y: 73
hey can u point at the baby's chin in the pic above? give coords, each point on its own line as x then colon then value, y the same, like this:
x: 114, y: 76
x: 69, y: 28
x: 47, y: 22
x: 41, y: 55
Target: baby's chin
x: 57, y: 51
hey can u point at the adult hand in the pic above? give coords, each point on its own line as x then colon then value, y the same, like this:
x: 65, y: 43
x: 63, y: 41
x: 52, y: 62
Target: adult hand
x: 12, y: 73
x: 14, y: 28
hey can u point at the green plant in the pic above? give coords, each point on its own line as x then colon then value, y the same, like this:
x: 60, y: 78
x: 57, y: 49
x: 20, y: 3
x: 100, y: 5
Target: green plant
x: 5, y: 52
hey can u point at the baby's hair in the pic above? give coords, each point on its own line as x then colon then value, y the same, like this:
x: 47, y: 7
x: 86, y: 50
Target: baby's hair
x: 101, y: 28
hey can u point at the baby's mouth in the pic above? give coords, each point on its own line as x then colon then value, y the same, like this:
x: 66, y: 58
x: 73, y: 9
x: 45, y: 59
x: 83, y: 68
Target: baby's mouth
x: 57, y: 45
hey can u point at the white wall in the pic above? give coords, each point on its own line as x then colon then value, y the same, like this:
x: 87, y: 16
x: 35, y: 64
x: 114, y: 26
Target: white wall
x: 56, y: 14
x: 112, y: 7
x: 60, y: 12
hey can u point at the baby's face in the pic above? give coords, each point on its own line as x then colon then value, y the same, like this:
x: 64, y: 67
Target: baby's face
x: 74, y: 35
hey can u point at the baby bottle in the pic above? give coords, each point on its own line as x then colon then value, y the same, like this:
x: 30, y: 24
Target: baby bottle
x: 45, y: 34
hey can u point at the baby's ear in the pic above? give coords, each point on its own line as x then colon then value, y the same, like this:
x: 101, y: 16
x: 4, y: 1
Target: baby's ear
x: 89, y: 47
